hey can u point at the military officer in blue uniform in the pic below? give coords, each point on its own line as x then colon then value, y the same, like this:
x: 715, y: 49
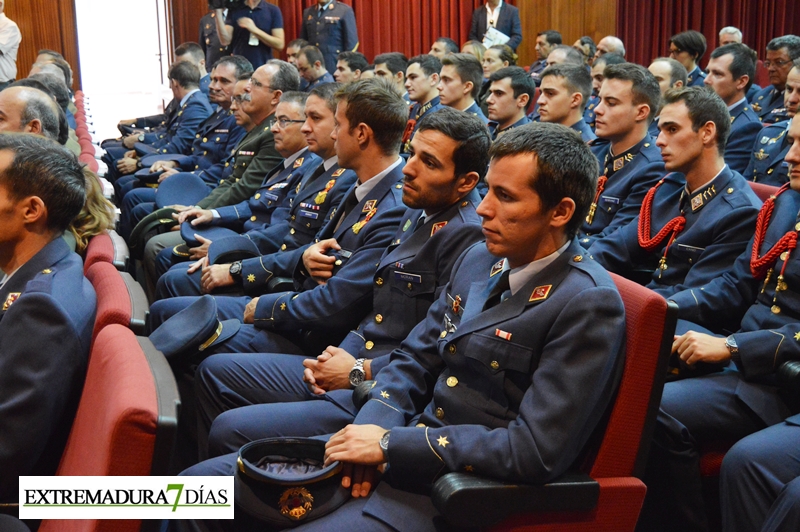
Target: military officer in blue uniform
x: 598, y: 67
x: 215, y: 140
x: 311, y: 66
x: 696, y: 220
x: 545, y: 42
x: 768, y: 103
x: 209, y: 38
x: 510, y: 91
x: 392, y: 66
x: 564, y: 91
x: 630, y: 161
x: 337, y: 266
x: 252, y: 29
x: 460, y: 81
x: 47, y: 308
x: 688, y: 48
x: 670, y: 74
x: 767, y: 163
x: 730, y: 72
x: 757, y: 298
x: 438, y: 226
x: 422, y: 82
x: 488, y: 382
x: 331, y: 27
x: 304, y: 209
x: 193, y: 109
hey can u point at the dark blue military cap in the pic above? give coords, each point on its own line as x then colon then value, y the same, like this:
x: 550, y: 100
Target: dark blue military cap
x: 195, y: 328
x: 150, y: 160
x: 209, y: 232
x: 231, y: 249
x: 181, y: 189
x: 146, y: 176
x: 284, y: 482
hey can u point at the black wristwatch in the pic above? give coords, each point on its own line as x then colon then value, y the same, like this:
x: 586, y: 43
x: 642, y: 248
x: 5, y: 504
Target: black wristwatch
x: 236, y: 269
x: 357, y: 374
x: 384, y: 443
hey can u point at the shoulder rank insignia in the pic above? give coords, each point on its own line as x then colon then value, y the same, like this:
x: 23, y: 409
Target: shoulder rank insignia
x: 540, y: 293
x: 338, y: 172
x: 320, y: 199
x: 13, y: 296
x: 497, y: 268
x: 436, y: 227
x: 298, y: 162
x: 368, y: 206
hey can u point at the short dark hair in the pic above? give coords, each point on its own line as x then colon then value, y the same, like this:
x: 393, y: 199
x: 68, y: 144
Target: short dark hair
x: 312, y: 54
x: 576, y: 78
x: 327, y: 92
x: 645, y: 88
x: 565, y: 166
x: 471, y: 134
x: 295, y: 97
x: 588, y: 41
x: 611, y: 58
x: 298, y: 43
x: 429, y: 64
x: 45, y: 169
x: 450, y: 45
x: 743, y: 61
x: 521, y: 81
x: 790, y: 42
x: 677, y: 71
x: 241, y: 65
x: 690, y: 41
x: 374, y: 102
x: 552, y: 36
x: 185, y: 74
x: 355, y: 60
x: 192, y: 49
x: 395, y: 62
x: 55, y: 87
x: 571, y: 55
x: 468, y: 68
x: 704, y: 106
x: 506, y: 53
x: 286, y: 78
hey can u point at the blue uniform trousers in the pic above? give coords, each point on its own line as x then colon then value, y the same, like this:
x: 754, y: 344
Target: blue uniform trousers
x: 130, y: 201
x: 760, y: 481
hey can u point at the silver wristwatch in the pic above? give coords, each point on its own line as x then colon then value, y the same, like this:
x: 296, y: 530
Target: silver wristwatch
x: 357, y: 374
x: 384, y: 443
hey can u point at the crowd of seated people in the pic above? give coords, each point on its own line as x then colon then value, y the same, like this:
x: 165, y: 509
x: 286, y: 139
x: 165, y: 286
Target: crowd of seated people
x: 443, y: 226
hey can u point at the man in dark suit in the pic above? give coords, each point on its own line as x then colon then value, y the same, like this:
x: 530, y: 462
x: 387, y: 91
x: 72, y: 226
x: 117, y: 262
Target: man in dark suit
x: 47, y: 307
x: 515, y: 363
x: 499, y: 15
x: 330, y: 26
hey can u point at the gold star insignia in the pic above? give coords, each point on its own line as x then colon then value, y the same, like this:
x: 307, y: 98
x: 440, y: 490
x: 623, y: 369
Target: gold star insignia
x: 385, y: 395
x: 442, y: 441
x: 251, y: 278
x: 469, y: 469
x: 283, y: 306
x: 797, y: 336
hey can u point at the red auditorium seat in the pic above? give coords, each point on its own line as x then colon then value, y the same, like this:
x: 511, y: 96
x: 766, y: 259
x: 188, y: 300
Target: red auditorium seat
x: 107, y: 247
x: 762, y: 191
x: 126, y: 421
x: 610, y: 497
x: 120, y: 299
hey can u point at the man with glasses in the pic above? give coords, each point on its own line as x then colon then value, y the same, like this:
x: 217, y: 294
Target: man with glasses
x: 311, y: 66
x: 768, y: 103
x: 688, y: 47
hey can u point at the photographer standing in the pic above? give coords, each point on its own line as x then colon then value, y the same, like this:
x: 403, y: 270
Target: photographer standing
x: 251, y: 29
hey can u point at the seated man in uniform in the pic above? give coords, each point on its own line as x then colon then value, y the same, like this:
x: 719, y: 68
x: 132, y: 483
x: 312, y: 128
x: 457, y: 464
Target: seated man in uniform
x: 670, y: 74
x: 422, y: 80
x: 450, y: 154
x: 565, y: 90
x: 597, y: 71
x: 697, y: 219
x: 767, y: 164
x: 757, y: 298
x: 392, y: 66
x: 510, y: 91
x: 349, y: 66
x: 768, y: 103
x: 311, y: 66
x: 630, y: 162
x: 459, y: 82
x: 48, y: 307
x: 514, y: 365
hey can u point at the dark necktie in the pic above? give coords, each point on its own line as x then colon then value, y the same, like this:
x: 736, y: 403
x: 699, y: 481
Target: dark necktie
x: 500, y: 292
x: 348, y: 205
x: 318, y: 172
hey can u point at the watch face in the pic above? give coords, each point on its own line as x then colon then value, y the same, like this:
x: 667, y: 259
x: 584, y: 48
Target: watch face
x: 356, y: 377
x: 236, y: 268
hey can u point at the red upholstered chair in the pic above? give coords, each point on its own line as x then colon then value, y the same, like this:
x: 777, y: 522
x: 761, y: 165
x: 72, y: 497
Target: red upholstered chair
x: 126, y: 421
x: 763, y: 191
x: 107, y: 247
x: 608, y: 498
x: 120, y: 299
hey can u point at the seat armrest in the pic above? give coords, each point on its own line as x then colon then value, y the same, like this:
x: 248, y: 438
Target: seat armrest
x: 468, y: 501
x: 121, y: 252
x: 140, y: 306
x: 280, y: 284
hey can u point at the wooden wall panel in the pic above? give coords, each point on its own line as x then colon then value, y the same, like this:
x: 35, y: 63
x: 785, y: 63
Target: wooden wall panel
x: 45, y: 24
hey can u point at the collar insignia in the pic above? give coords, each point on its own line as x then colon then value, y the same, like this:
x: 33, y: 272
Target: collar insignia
x: 436, y: 227
x: 497, y: 268
x: 13, y: 296
x: 338, y: 172
x: 368, y: 206
x: 298, y: 162
x: 540, y: 293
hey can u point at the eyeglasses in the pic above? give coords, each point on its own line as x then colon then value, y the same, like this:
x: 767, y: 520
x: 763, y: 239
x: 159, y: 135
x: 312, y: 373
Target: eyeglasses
x: 240, y: 98
x: 779, y: 64
x: 675, y: 51
x: 259, y: 85
x: 283, y: 122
